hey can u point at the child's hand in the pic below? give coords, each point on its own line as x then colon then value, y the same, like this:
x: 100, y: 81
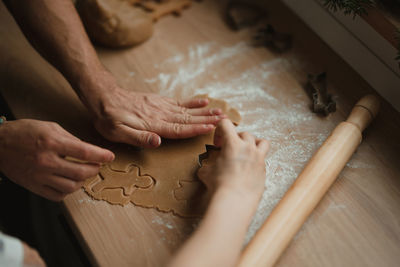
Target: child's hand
x: 32, y: 257
x: 239, y: 167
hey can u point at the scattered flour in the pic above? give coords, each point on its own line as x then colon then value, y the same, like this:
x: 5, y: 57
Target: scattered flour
x: 87, y: 200
x: 191, y: 73
x: 198, y: 61
x: 359, y: 165
x: 158, y: 220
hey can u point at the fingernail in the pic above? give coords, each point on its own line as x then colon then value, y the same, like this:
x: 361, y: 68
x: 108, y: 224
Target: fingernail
x: 110, y: 155
x: 209, y: 126
x: 155, y: 140
x: 215, y: 111
x: 203, y: 101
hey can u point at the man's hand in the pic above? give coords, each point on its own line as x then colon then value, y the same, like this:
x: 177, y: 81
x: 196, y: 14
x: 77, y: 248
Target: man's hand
x: 32, y: 154
x: 141, y: 119
x: 121, y: 116
x: 240, y: 167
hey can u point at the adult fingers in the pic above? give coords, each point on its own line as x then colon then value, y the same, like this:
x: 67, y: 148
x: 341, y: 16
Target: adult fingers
x: 204, y: 111
x: 69, y: 135
x: 177, y: 130
x: 247, y: 137
x: 263, y: 146
x: 194, y: 103
x: 195, y: 109
x: 225, y: 133
x: 50, y: 193
x: 84, y: 151
x: 62, y: 184
x: 75, y: 170
x: 189, y: 119
x: 128, y: 135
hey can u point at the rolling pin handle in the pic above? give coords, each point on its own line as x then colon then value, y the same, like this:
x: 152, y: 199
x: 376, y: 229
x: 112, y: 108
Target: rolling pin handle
x: 364, y: 111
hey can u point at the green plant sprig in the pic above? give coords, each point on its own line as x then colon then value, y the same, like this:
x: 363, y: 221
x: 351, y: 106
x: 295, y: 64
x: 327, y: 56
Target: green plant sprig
x: 353, y: 7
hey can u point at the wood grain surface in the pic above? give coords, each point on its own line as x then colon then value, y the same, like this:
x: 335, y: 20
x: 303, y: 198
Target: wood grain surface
x: 356, y: 224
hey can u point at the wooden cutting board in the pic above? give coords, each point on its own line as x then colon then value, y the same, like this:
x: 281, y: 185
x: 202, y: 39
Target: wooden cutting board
x: 357, y: 222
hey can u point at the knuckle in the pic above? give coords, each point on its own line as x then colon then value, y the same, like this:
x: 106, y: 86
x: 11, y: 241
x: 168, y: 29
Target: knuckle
x: 107, y: 111
x: 143, y: 139
x: 50, y: 143
x: 186, y: 118
x: 43, y: 160
x: 176, y: 128
x: 45, y: 142
x: 183, y: 110
x: 248, y: 135
x: 139, y: 139
x: 151, y: 123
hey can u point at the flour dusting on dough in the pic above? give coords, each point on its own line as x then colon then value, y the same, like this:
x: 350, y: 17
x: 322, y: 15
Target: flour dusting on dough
x: 292, y: 143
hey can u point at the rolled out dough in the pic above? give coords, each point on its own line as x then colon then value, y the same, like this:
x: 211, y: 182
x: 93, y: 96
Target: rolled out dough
x: 162, y: 178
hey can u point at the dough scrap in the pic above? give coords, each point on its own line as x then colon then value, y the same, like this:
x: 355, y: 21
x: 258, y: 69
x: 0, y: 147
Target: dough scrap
x: 158, y: 9
x: 115, y: 23
x: 232, y: 113
x: 163, y: 178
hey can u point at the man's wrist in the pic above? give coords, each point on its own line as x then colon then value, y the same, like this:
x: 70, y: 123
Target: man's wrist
x: 94, y: 82
x: 94, y: 88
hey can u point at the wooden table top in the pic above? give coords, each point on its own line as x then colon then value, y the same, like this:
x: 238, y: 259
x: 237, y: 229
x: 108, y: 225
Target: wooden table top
x: 358, y: 221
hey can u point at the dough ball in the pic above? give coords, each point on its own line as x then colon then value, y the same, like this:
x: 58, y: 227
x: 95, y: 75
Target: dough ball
x: 114, y: 23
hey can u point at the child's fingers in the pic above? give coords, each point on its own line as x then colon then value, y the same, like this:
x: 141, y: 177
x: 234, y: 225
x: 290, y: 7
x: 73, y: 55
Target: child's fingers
x: 247, y: 137
x: 263, y: 146
x: 225, y: 133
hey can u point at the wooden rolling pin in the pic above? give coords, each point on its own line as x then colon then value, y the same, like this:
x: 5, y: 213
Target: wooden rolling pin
x: 309, y: 188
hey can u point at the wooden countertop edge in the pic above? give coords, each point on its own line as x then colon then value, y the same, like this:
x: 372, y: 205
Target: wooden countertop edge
x: 69, y: 218
x: 381, y: 24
